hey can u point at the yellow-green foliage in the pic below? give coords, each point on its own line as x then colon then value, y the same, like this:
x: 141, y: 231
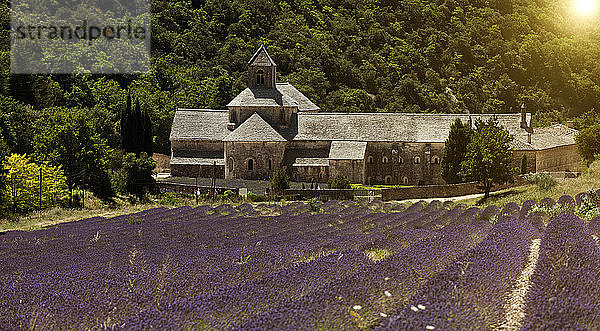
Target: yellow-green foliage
x: 22, y: 190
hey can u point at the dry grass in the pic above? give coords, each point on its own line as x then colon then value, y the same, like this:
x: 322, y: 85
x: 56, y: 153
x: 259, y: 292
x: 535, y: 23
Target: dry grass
x: 590, y: 179
x: 94, y: 207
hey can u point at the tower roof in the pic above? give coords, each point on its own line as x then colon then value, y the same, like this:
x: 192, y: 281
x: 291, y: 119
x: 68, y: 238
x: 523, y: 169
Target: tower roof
x: 255, y: 129
x: 261, y: 58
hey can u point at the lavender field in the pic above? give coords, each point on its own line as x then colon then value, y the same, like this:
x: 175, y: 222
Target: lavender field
x: 334, y: 265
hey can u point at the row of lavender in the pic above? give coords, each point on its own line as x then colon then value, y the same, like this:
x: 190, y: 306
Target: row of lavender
x: 234, y: 267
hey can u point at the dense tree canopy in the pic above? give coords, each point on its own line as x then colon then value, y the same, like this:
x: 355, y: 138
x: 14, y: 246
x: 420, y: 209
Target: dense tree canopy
x: 346, y: 55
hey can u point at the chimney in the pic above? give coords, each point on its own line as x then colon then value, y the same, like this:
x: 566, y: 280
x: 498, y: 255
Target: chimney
x: 570, y: 124
x: 524, y: 116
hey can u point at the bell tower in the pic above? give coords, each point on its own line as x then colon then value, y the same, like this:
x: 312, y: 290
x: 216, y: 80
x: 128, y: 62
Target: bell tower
x: 262, y: 70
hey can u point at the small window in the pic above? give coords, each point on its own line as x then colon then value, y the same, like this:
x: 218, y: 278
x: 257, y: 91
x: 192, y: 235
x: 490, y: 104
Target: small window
x: 270, y: 164
x: 230, y: 165
x: 260, y: 77
x: 417, y: 160
x: 250, y: 164
x: 405, y: 180
x: 370, y: 160
x: 436, y: 159
x: 388, y: 180
x: 385, y: 160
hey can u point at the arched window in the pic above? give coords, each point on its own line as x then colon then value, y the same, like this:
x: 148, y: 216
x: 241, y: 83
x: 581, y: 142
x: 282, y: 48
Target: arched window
x: 385, y: 160
x: 250, y: 164
x: 417, y: 160
x: 370, y: 159
x: 230, y: 165
x: 270, y: 164
x: 435, y: 159
x: 260, y: 77
x: 405, y: 180
x: 388, y: 180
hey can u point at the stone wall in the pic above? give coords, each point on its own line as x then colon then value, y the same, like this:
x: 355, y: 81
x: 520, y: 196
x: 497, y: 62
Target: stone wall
x: 319, y: 174
x: 559, y: 159
x: 275, y: 116
x: 238, y: 154
x: 531, y: 160
x: 353, y: 169
x: 194, y: 170
x: 197, y: 148
x: 401, y: 167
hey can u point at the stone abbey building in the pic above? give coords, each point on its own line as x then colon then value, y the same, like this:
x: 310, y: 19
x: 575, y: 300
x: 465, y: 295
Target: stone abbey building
x: 271, y: 125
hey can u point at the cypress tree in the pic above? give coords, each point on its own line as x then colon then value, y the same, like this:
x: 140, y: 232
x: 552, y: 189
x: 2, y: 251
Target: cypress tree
x: 147, y: 136
x: 455, y: 151
x: 137, y: 129
x: 125, y: 125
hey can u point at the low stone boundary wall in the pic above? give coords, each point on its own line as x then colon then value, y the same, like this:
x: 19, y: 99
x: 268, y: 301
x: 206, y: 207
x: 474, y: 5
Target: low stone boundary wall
x: 190, y: 189
x: 442, y: 191
x: 308, y: 194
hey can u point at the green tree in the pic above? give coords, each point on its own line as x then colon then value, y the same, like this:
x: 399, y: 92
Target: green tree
x: 348, y: 100
x: 66, y: 138
x: 588, y: 143
x: 523, y: 164
x: 340, y: 182
x: 455, y: 151
x: 489, y: 156
x: 22, y: 192
x: 139, y: 173
x: 279, y: 180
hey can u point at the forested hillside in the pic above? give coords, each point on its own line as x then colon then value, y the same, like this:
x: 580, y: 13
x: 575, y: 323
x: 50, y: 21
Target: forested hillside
x: 346, y: 55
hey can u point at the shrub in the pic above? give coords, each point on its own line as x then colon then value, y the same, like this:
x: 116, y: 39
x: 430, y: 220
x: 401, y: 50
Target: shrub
x: 340, y: 182
x: 256, y: 197
x: 170, y: 199
x: 589, y: 208
x: 543, y: 180
x: 22, y: 190
x: 279, y: 180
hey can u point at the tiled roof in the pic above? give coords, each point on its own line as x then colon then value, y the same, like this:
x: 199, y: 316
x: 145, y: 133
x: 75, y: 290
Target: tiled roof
x: 304, y: 103
x: 520, y: 143
x: 200, y: 124
x: 311, y: 162
x: 347, y: 150
x: 197, y: 161
x: 262, y: 97
x: 553, y: 136
x: 430, y: 128
x: 254, y: 129
x: 285, y: 95
x: 261, y: 58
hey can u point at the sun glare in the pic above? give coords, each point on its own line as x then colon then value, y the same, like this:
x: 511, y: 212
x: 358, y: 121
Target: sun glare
x: 586, y: 7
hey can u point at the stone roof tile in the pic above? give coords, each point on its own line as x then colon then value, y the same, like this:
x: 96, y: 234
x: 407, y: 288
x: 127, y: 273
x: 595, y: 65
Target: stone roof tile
x: 347, y: 150
x: 200, y: 124
x: 553, y: 136
x: 407, y: 127
x: 254, y: 129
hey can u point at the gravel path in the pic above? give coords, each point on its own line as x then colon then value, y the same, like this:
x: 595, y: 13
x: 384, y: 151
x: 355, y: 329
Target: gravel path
x: 515, y: 307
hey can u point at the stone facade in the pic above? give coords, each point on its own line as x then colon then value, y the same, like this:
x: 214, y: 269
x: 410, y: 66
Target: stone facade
x: 253, y: 160
x: 272, y: 125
